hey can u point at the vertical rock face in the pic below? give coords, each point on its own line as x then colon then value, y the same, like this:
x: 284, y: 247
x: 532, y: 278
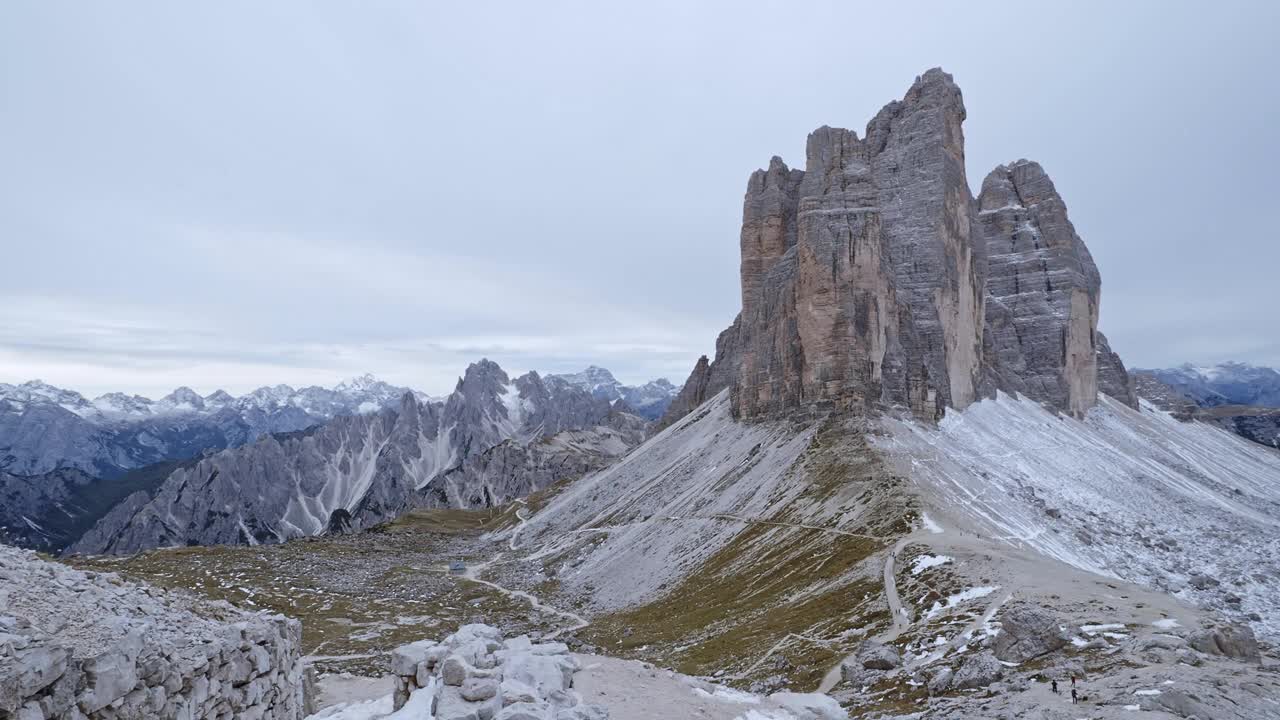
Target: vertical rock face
x: 768, y: 224
x: 873, y: 277
x: 1042, y: 292
x: 1113, y: 378
x: 878, y: 298
x: 931, y: 231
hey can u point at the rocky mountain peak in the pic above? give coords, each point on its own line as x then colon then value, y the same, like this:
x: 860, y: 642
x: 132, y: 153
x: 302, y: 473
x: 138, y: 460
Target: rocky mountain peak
x: 483, y: 378
x: 649, y: 400
x: 862, y: 275
x: 1042, y: 291
x: 873, y: 277
x: 184, y: 398
x: 218, y: 397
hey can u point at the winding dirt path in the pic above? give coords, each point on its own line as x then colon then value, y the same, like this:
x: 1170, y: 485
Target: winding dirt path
x: 897, y: 614
x: 472, y: 574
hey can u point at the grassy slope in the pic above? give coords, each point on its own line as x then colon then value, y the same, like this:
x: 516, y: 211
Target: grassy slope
x: 775, y: 581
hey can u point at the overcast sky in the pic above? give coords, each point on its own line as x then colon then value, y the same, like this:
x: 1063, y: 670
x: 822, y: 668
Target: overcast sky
x: 237, y: 194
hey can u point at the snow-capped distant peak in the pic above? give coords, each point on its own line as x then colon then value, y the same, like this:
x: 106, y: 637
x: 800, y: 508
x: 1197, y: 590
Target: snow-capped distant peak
x: 40, y: 392
x: 183, y: 399
x: 118, y: 404
x: 358, y: 385
x: 649, y: 400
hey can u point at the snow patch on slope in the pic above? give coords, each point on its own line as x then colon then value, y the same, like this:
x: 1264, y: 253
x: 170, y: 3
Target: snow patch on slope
x: 1133, y: 495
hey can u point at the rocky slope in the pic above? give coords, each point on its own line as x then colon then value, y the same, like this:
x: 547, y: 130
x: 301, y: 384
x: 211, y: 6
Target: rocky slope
x: 873, y: 278
x: 493, y: 439
x: 649, y: 400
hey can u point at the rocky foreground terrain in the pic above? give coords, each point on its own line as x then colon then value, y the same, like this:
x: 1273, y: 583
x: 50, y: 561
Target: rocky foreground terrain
x: 76, y: 644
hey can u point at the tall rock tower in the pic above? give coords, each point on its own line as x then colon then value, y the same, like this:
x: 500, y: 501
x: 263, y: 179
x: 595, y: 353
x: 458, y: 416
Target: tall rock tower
x: 874, y: 278
x: 1043, y: 292
x: 862, y: 275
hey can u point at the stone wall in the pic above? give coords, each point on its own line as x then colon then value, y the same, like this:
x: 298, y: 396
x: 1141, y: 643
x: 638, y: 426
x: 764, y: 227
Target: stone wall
x: 90, y: 645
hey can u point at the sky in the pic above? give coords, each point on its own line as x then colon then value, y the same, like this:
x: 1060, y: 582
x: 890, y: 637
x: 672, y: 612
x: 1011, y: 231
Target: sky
x: 236, y: 194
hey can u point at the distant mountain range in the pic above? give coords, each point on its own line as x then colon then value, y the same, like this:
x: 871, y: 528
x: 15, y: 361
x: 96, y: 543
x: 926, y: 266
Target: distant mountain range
x: 1240, y: 397
x: 1229, y: 383
x: 649, y: 400
x: 43, y: 427
x: 493, y: 439
x: 66, y: 460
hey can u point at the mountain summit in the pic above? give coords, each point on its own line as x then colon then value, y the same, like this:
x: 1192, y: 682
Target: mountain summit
x: 649, y: 400
x: 874, y: 278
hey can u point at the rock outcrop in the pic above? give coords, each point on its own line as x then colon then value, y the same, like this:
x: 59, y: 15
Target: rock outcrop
x: 356, y: 471
x: 475, y: 673
x: 862, y: 275
x: 1113, y: 378
x: 1042, y: 291
x: 1028, y: 632
x: 874, y: 278
x: 89, y: 645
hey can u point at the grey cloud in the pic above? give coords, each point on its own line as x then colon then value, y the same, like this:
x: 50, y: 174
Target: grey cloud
x: 246, y: 193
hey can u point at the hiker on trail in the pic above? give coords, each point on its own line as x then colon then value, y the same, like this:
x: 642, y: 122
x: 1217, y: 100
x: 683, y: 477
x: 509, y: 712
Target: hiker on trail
x: 1055, y: 686
x: 1073, y: 696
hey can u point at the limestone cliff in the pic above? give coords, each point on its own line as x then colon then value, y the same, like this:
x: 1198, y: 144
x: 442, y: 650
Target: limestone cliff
x: 874, y: 278
x: 1042, y: 291
x: 862, y: 276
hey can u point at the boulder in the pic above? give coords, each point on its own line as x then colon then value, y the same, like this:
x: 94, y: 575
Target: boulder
x: 514, y: 691
x: 526, y: 711
x: 1234, y: 641
x: 1163, y: 642
x: 878, y: 656
x: 455, y: 670
x: 941, y: 681
x: 978, y: 671
x: 543, y: 673
x: 582, y: 712
x: 478, y: 689
x: 1201, y: 581
x: 1028, y: 632
x: 110, y: 675
x: 406, y: 658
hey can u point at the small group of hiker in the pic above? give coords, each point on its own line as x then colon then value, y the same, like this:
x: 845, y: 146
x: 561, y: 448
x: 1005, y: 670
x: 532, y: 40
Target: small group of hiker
x: 1075, y: 698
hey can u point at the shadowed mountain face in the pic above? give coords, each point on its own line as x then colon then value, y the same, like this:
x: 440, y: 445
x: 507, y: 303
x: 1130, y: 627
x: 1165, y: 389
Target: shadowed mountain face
x: 49, y: 511
x: 493, y: 439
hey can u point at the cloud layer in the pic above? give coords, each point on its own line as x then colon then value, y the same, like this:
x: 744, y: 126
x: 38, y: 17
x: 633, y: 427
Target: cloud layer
x: 242, y: 194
